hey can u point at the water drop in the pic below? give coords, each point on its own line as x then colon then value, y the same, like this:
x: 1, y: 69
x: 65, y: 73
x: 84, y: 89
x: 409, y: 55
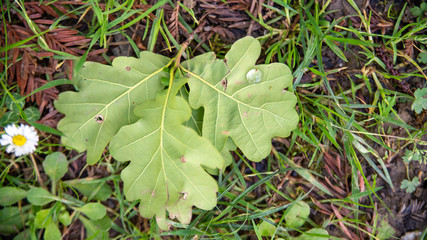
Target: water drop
x: 254, y: 76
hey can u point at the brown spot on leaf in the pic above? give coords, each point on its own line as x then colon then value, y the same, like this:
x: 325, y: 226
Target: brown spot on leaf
x: 245, y: 113
x: 127, y: 68
x: 99, y: 118
x: 283, y: 91
x: 225, y: 132
x: 183, y: 159
x: 224, y: 83
x: 184, y: 195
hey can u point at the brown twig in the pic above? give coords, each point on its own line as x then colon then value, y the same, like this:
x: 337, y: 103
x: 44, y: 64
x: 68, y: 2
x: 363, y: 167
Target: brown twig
x: 36, y: 169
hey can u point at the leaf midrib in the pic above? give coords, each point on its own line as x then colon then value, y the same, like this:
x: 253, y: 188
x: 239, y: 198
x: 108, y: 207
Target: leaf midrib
x: 228, y: 96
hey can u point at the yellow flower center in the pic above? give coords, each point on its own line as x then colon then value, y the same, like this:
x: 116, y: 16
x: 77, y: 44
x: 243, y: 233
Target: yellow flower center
x: 19, y: 140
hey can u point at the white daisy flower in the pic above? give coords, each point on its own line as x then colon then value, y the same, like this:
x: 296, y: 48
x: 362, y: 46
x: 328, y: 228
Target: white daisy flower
x: 20, y: 140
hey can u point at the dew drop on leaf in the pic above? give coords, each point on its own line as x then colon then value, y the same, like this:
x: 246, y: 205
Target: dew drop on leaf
x: 254, y: 76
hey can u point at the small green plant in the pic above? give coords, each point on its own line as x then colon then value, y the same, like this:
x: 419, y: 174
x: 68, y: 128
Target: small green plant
x: 410, y: 186
x: 385, y: 230
x: 420, y: 11
x: 420, y: 102
x: 294, y: 217
x: 422, y: 56
x: 297, y: 214
x: 314, y: 234
x: 14, y: 106
x: 48, y: 209
x: 148, y: 114
x: 416, y: 154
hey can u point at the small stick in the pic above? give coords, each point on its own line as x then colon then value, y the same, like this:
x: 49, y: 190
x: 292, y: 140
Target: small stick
x: 189, y: 39
x: 39, y: 179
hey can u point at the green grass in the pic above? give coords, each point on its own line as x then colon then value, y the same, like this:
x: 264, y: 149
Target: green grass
x: 353, y: 117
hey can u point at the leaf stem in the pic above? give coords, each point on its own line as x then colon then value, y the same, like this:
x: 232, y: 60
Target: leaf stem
x: 185, y: 44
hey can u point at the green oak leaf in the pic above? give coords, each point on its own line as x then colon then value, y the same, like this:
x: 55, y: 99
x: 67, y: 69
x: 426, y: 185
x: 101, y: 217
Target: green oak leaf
x: 106, y: 98
x: 241, y: 100
x: 167, y: 160
x: 196, y: 120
